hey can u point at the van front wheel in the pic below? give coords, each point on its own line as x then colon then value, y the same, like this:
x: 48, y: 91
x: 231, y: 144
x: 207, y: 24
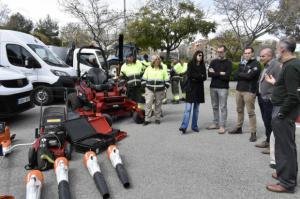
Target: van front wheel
x: 42, y: 95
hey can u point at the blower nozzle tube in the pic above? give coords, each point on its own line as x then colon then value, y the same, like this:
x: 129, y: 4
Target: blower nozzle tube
x: 61, y: 170
x: 90, y: 160
x: 34, y: 183
x: 115, y: 158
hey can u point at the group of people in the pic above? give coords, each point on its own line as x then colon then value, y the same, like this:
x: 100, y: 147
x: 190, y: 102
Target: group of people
x: 276, y: 86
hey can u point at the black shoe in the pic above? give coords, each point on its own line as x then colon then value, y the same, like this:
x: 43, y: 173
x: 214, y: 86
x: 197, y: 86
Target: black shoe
x: 252, y: 137
x: 195, y: 130
x: 236, y: 131
x: 157, y: 121
x: 175, y: 101
x: 182, y: 130
x: 146, y: 123
x: 272, y: 166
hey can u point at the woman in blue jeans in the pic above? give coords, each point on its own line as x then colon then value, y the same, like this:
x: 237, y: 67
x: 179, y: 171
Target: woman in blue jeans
x: 196, y: 75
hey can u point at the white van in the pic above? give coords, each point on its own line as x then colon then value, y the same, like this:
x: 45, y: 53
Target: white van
x: 48, y: 75
x: 89, y: 57
x: 15, y: 90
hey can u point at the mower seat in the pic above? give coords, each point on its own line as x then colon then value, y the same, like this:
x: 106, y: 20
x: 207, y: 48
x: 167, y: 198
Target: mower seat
x: 98, y: 80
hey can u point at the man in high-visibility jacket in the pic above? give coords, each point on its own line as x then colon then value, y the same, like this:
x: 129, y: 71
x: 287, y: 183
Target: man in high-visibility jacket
x: 178, y: 74
x: 155, y: 79
x: 132, y: 72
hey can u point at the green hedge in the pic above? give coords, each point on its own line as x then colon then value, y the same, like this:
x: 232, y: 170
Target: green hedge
x: 235, y: 66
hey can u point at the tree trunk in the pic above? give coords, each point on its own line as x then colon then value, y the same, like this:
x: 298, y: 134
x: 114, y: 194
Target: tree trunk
x: 168, y: 54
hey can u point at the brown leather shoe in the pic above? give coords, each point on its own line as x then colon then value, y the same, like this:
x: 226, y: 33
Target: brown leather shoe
x: 266, y: 151
x: 278, y: 188
x: 263, y: 144
x: 274, y: 175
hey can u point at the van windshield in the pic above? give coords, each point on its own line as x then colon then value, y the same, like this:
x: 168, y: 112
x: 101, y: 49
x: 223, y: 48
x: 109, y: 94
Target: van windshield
x: 46, y: 55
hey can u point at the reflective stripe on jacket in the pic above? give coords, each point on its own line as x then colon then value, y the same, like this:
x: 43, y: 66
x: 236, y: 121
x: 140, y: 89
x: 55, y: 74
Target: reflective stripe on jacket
x: 156, y: 79
x: 132, y: 73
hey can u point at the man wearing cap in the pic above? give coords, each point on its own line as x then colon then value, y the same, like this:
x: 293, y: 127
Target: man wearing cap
x: 132, y: 72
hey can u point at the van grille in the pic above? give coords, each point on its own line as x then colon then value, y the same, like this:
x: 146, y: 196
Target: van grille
x: 14, y: 83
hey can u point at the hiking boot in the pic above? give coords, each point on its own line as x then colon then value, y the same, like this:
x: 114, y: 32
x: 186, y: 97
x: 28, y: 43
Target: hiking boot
x: 236, y: 131
x: 252, y: 137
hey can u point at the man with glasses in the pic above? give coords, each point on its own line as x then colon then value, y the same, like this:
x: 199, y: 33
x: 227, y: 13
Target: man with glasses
x: 219, y: 70
x: 247, y: 77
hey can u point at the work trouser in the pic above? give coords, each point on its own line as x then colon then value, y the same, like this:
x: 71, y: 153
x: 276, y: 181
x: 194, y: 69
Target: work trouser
x: 248, y: 99
x: 219, y: 103
x: 175, y: 88
x: 156, y: 98
x: 285, y: 148
x: 266, y: 108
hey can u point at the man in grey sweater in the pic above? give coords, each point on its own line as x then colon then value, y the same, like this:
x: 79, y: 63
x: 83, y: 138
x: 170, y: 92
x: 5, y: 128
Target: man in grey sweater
x: 265, y: 89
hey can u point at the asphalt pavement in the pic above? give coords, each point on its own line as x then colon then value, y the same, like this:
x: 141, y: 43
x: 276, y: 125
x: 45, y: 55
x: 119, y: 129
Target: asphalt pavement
x: 162, y: 163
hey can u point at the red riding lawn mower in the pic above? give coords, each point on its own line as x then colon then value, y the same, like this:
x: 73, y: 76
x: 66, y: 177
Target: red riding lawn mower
x: 98, y: 93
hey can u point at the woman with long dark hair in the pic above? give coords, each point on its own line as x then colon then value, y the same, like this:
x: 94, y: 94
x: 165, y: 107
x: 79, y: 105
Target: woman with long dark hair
x: 196, y: 75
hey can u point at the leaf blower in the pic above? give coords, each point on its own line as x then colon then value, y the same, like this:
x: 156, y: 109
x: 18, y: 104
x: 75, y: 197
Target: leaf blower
x: 34, y: 182
x: 90, y: 160
x: 113, y: 155
x: 61, y: 171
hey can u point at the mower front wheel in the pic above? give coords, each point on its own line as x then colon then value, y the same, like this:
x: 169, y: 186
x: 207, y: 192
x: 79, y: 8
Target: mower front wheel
x: 108, y: 119
x: 137, y: 118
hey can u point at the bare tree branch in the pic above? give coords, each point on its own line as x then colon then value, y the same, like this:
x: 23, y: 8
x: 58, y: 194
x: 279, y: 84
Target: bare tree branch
x: 248, y: 19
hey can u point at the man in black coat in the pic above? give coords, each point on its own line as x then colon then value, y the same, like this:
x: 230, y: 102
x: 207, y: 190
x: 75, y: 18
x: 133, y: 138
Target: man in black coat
x: 219, y: 70
x: 247, y: 77
x: 286, y: 101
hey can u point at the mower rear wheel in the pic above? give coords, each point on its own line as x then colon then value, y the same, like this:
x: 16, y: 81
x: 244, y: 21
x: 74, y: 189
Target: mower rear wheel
x: 68, y: 151
x: 137, y: 119
x: 108, y: 119
x: 73, y: 102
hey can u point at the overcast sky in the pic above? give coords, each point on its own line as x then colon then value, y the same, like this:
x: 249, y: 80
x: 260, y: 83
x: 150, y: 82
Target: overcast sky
x: 38, y: 9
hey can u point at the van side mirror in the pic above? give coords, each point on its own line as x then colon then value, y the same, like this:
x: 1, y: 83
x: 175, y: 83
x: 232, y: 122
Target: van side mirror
x: 30, y: 62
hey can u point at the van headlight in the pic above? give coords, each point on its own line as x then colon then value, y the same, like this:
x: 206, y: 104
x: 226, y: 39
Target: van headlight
x: 59, y: 73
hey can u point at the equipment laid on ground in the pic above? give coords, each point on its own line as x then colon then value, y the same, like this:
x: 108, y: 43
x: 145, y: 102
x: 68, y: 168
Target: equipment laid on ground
x: 5, y: 139
x: 90, y: 160
x: 61, y: 171
x: 92, y: 133
x: 34, y: 183
x: 51, y: 140
x: 114, y: 156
